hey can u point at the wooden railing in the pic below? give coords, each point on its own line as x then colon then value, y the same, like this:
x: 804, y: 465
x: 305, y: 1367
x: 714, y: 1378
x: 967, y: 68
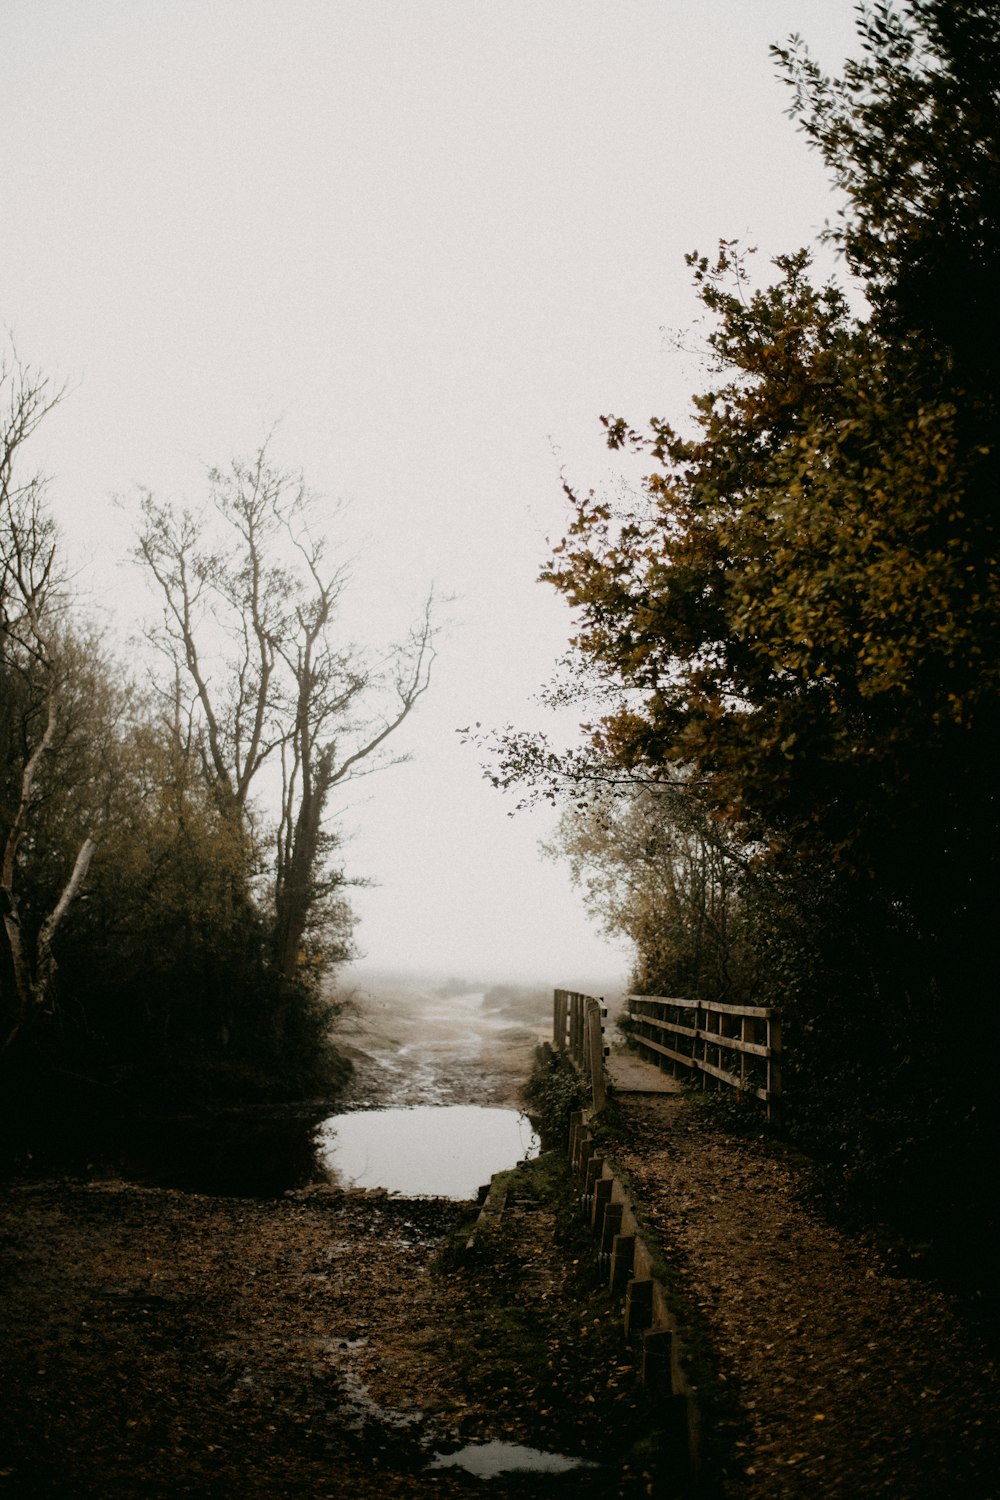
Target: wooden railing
x: 578, y: 1030
x: 737, y: 1045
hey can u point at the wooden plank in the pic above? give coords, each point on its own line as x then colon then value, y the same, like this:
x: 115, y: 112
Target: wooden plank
x: 754, y: 1049
x: 723, y: 1073
x: 662, y: 1000
x: 671, y: 1026
x: 774, y: 1070
x: 706, y: 1067
x: 732, y: 1080
x: 638, y: 1306
x: 596, y: 1049
x: 714, y: 1038
x: 761, y: 1012
x: 622, y: 1260
x: 559, y: 1020
x: 681, y: 1057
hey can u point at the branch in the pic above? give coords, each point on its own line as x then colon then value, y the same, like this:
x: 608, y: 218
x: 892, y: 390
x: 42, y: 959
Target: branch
x: 410, y: 689
x: 46, y: 965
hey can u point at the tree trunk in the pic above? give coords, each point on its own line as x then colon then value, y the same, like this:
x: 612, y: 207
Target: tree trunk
x: 294, y: 889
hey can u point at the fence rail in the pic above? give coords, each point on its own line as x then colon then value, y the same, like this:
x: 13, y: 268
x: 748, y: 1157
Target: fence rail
x: 737, y: 1045
x: 734, y: 1045
x: 578, y: 1030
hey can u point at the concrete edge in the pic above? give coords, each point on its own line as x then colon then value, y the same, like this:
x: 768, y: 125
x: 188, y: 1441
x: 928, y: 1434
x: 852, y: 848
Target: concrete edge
x: 492, y: 1209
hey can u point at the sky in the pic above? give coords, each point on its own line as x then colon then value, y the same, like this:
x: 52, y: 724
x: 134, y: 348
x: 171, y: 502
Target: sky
x: 432, y: 241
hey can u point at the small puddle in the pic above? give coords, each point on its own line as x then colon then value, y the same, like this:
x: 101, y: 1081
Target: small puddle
x: 430, y: 1151
x: 486, y: 1459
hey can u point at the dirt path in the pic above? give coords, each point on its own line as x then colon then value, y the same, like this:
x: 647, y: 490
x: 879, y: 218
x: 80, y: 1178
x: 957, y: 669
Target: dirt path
x: 155, y: 1343
x: 849, y: 1381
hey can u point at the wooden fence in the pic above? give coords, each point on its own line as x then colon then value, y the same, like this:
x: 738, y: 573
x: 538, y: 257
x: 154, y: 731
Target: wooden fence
x: 737, y: 1045
x: 578, y: 1030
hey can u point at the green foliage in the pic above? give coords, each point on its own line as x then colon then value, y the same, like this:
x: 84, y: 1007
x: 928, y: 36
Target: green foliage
x: 552, y: 1093
x: 911, y: 134
x: 802, y: 612
x: 792, y: 633
x: 654, y: 867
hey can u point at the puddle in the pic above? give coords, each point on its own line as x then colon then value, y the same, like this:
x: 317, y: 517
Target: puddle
x: 359, y: 1407
x: 430, y: 1151
x: 486, y: 1459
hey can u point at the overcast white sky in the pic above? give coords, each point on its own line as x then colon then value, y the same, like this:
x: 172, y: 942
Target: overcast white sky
x: 436, y: 238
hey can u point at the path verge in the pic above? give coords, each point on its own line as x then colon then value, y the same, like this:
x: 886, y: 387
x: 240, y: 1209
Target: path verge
x: 842, y: 1379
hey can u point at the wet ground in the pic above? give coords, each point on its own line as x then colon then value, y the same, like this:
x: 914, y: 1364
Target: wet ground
x: 330, y: 1342
x: 416, y: 1042
x: 437, y: 1150
x: 433, y: 1108
x: 157, y: 1342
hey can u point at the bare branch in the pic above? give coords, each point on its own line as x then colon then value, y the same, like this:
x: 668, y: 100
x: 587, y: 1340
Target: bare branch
x: 259, y: 599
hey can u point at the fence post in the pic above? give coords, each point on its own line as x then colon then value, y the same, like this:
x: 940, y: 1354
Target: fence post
x: 559, y: 1021
x: 746, y: 1035
x: 596, y: 1051
x: 576, y: 1024
x: 773, y: 1068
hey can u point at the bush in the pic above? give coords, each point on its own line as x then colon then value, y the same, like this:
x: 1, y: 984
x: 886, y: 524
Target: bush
x: 553, y: 1091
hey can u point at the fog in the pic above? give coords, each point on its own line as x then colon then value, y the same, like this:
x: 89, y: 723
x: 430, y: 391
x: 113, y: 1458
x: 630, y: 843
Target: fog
x: 433, y: 241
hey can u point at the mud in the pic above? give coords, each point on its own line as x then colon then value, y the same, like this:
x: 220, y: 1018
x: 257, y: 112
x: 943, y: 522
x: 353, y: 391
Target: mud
x: 416, y: 1042
x: 321, y: 1342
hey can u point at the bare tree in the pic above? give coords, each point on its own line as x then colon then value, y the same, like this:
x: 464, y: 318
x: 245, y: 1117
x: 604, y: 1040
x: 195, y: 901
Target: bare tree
x: 32, y: 603
x: 26, y: 397
x: 249, y: 624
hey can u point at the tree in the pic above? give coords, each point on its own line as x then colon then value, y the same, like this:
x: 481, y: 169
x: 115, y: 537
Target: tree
x: 259, y: 679
x: 802, y: 608
x: 36, y: 664
x: 796, y: 621
x: 151, y: 956
x: 655, y: 868
x: 911, y: 134
x: 168, y: 989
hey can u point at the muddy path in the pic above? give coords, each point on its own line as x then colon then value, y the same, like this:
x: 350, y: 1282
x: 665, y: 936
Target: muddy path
x: 158, y: 1342
x: 841, y: 1373
x: 421, y: 1043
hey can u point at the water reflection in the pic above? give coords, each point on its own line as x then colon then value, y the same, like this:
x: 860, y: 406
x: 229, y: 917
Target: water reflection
x: 429, y: 1151
x: 486, y: 1459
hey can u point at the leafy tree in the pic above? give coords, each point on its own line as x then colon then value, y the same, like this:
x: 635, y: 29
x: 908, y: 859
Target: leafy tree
x: 653, y: 867
x: 795, y: 623
x: 802, y: 608
x: 911, y: 134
